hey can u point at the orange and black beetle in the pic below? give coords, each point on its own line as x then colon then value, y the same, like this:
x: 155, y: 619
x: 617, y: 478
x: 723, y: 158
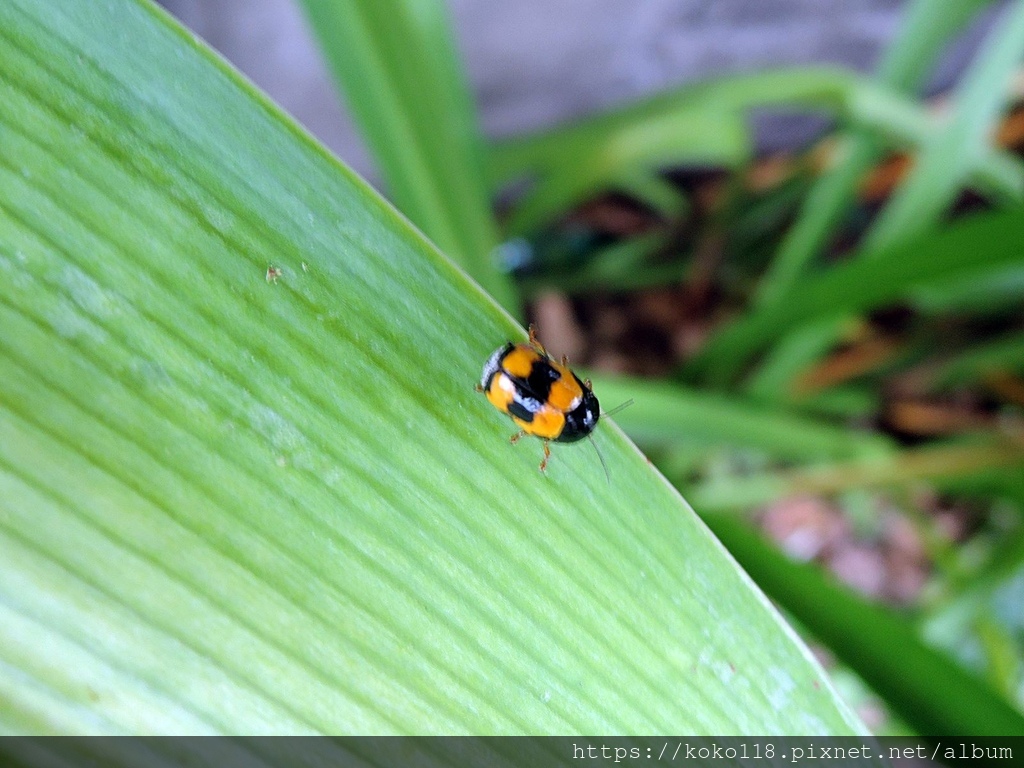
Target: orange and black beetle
x: 543, y: 397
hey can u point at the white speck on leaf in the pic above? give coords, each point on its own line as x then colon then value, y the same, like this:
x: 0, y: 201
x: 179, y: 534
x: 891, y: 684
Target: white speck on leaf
x: 782, y: 686
x: 88, y: 294
x: 278, y: 432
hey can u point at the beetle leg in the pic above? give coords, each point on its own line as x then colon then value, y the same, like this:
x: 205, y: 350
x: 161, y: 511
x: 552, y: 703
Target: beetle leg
x: 515, y: 438
x: 547, y: 455
x: 535, y: 342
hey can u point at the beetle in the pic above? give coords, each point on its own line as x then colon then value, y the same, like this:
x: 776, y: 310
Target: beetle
x: 542, y: 396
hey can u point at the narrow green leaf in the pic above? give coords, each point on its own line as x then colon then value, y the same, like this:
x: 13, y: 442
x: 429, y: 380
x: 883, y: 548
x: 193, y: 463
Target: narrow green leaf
x: 707, y: 123
x: 655, y: 191
x: 790, y: 357
x: 957, y: 253
x: 942, y: 165
x: 1002, y: 656
x: 939, y: 464
x: 245, y: 483
x: 927, y: 27
x: 1003, y: 354
x: 399, y: 69
x: 975, y: 597
x: 854, y: 402
x: 621, y: 266
x: 989, y: 292
x: 666, y: 412
x: 641, y: 147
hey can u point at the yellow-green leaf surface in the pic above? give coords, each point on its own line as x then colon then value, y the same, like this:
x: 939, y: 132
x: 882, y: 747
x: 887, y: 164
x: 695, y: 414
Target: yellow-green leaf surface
x: 245, y: 483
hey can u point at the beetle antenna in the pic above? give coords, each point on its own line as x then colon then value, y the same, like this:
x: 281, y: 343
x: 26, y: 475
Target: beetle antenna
x: 599, y: 456
x: 618, y: 408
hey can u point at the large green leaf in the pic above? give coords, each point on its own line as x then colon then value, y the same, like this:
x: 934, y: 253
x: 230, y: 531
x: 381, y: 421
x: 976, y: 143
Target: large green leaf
x: 243, y: 499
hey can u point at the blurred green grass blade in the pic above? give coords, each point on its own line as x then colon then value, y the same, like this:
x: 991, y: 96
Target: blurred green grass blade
x: 1003, y: 354
x: 956, y: 253
x: 928, y: 26
x: 241, y: 501
x: 667, y: 412
x: 927, y: 689
x: 707, y: 123
x: 971, y: 591
x: 620, y: 266
x: 398, y: 66
x: 854, y: 401
x: 984, y: 602
x: 941, y: 167
x: 939, y: 465
x: 714, y: 103
x: 1002, y: 657
x: 821, y: 212
x: 654, y: 191
x: 993, y: 292
x: 1008, y: 488
x: 773, y: 379
x: 642, y: 147
x: 926, y: 29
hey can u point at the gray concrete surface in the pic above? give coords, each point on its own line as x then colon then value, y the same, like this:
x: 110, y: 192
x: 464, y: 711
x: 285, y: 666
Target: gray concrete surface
x: 536, y: 63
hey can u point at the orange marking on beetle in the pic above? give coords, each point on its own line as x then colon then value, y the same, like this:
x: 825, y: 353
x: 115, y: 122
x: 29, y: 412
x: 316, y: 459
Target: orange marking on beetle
x: 547, y: 423
x: 519, y: 361
x: 566, y: 393
x: 502, y: 392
